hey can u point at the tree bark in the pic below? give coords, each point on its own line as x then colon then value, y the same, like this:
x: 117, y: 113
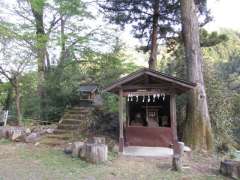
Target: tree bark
x: 41, y: 44
x: 197, y: 132
x: 17, y: 101
x: 63, y: 39
x: 154, y: 36
x: 95, y: 153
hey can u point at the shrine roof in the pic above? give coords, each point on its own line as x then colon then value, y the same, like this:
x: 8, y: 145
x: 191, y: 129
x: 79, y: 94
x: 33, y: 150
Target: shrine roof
x: 149, y: 78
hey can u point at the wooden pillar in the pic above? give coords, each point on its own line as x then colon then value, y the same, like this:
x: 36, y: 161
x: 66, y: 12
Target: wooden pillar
x: 120, y: 111
x: 127, y: 113
x: 173, y: 116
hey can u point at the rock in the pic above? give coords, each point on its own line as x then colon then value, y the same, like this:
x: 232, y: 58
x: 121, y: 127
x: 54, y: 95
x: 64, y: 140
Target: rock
x: 50, y: 130
x: 32, y: 138
x: 68, y: 149
x: 3, y: 132
x: 76, y: 148
x: 12, y: 133
x: 97, y: 140
x: 18, y: 135
x: 115, y: 148
x: 28, y: 131
x: 42, y: 131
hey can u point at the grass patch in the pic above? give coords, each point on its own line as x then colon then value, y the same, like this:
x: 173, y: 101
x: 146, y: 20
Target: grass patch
x: 58, y: 165
x: 56, y: 161
x: 112, y: 155
x: 5, y: 141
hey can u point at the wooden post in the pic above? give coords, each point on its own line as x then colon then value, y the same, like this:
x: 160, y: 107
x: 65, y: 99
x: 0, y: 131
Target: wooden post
x: 173, y: 115
x: 177, y: 158
x: 120, y: 111
x: 127, y: 113
x: 177, y: 149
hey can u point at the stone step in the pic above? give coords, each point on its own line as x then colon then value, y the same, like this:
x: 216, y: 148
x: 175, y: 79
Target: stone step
x: 53, y: 142
x: 74, y: 116
x: 66, y: 131
x: 81, y: 108
x: 69, y: 126
x: 63, y: 136
x: 72, y: 121
x: 71, y: 111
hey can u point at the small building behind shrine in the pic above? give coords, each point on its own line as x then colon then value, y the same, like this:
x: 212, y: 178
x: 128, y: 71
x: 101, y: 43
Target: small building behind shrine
x: 89, y: 95
x: 147, y: 108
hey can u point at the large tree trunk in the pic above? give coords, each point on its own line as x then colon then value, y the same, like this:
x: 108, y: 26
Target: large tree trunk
x: 154, y: 36
x: 15, y: 84
x: 63, y: 39
x: 37, y: 7
x: 17, y: 100
x: 197, y: 132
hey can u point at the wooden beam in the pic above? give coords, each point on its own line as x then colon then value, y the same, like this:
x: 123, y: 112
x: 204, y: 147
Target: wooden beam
x: 148, y: 92
x: 149, y: 86
x: 146, y: 79
x: 120, y: 111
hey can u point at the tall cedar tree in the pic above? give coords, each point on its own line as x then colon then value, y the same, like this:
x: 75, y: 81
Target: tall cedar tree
x: 198, y: 132
x: 151, y: 20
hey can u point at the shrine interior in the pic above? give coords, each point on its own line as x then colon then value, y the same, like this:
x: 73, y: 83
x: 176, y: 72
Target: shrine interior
x: 149, y: 111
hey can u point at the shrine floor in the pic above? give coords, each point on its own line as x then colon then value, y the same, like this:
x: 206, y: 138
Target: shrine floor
x: 140, y: 151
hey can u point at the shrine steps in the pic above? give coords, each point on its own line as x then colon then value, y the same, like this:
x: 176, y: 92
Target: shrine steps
x: 73, y: 123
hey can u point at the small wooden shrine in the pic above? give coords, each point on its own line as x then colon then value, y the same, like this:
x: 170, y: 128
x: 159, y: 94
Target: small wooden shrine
x: 88, y: 91
x: 147, y: 108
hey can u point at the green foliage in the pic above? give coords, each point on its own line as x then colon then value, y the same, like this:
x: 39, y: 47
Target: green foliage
x: 140, y: 15
x: 4, y: 87
x: 30, y: 100
x: 211, y: 39
x: 220, y: 106
x: 63, y: 81
x: 222, y: 79
x: 38, y: 5
x: 103, y: 69
x: 61, y: 86
x: 71, y: 7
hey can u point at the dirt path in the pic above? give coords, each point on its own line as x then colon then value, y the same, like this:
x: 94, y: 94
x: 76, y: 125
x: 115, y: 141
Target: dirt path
x: 26, y: 162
